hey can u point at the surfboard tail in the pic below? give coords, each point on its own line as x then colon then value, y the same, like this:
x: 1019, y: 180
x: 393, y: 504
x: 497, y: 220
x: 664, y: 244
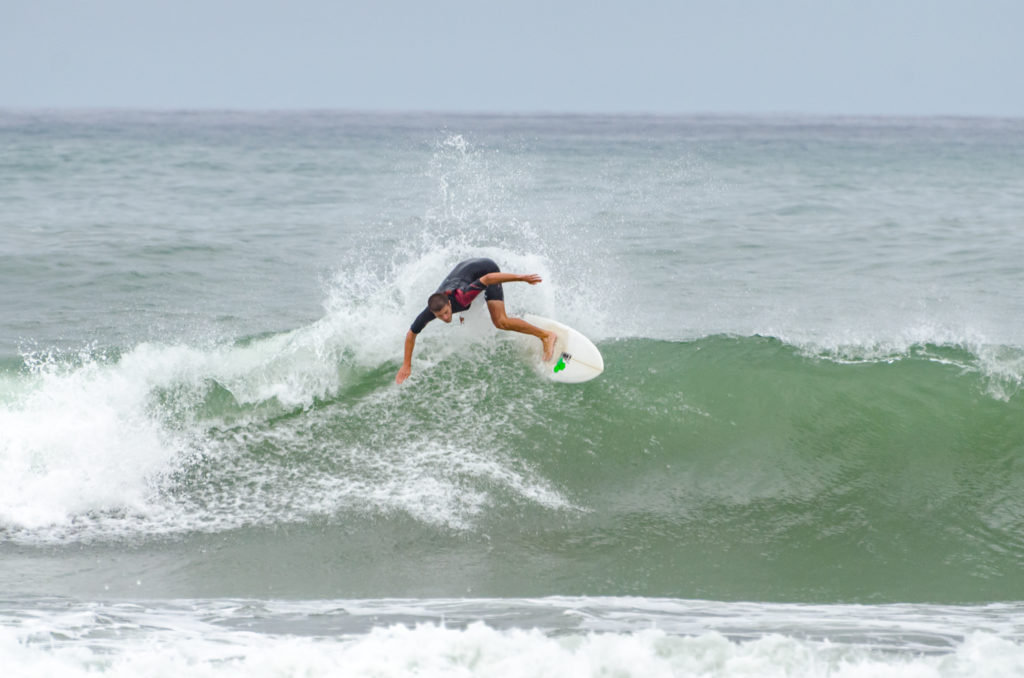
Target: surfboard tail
x: 575, y: 358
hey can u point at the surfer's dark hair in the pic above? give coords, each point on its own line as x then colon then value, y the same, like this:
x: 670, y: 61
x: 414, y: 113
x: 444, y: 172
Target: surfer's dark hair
x: 437, y: 301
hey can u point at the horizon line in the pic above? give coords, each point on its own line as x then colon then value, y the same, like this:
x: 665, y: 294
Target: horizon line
x: 493, y: 113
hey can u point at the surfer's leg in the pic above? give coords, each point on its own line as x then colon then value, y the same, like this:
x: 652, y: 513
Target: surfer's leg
x: 503, y: 322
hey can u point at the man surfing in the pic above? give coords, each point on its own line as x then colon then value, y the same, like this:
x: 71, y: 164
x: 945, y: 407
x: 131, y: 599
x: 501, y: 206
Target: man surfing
x: 457, y: 292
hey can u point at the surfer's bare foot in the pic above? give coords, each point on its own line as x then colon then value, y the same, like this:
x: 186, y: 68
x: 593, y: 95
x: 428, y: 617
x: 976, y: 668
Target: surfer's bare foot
x: 549, y: 345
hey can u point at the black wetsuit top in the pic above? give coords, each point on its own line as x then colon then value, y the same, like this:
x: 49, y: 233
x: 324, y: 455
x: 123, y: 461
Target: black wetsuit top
x: 462, y: 286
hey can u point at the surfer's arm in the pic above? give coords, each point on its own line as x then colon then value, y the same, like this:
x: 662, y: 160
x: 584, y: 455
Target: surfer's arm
x: 417, y: 326
x: 498, y: 278
x: 406, y: 369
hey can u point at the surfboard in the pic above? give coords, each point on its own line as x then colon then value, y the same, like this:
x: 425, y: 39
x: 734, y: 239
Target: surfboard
x: 575, y: 358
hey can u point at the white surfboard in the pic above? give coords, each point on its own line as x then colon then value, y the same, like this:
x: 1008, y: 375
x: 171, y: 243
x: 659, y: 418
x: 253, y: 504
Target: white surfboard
x: 575, y: 358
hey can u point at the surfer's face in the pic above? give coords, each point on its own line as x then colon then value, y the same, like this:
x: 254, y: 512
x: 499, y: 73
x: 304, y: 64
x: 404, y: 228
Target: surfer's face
x: 444, y: 314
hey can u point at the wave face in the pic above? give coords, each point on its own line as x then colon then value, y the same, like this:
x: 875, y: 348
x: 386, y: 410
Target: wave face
x: 725, y: 467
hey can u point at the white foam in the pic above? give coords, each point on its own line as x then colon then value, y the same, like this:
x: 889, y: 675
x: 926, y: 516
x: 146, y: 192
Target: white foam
x: 89, y: 444
x: 82, y: 439
x: 1000, y: 365
x: 171, y: 648
x: 93, y: 435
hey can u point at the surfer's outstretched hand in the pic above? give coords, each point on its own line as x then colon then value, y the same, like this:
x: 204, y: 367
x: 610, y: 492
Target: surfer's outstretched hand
x: 531, y: 278
x: 403, y: 374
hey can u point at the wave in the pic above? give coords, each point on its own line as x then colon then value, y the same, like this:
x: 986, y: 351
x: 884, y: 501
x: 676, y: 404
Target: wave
x: 724, y: 457
x: 160, y: 408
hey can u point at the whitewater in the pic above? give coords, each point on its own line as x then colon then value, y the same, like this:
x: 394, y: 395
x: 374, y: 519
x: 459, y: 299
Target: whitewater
x: 804, y: 457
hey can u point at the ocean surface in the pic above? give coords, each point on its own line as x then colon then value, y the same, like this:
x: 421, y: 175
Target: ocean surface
x: 805, y: 456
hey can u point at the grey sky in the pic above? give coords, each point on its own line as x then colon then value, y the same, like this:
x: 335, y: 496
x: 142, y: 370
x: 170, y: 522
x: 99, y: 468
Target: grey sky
x: 960, y: 57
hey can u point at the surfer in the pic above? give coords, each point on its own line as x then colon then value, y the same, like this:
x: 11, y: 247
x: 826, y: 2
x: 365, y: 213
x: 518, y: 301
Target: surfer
x: 457, y: 292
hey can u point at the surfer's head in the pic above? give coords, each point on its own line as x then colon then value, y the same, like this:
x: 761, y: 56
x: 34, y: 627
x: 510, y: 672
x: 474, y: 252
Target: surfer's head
x: 440, y: 306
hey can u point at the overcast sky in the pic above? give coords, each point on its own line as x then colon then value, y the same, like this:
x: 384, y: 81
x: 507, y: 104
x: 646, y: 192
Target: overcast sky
x: 917, y: 57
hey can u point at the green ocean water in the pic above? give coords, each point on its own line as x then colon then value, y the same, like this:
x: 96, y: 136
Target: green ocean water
x: 811, y: 329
